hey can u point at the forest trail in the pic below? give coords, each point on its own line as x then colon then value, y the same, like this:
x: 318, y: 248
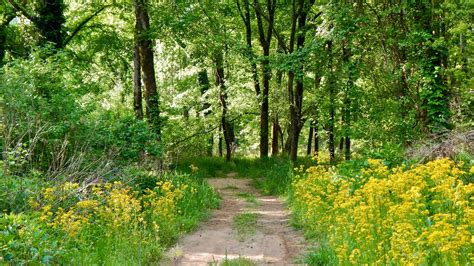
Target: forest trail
x: 271, y: 241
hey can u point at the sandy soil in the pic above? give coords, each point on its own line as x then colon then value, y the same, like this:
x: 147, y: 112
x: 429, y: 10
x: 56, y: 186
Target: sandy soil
x: 274, y: 242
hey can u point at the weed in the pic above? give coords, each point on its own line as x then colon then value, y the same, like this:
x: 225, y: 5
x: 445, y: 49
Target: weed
x: 244, y: 224
x: 241, y: 261
x: 248, y: 197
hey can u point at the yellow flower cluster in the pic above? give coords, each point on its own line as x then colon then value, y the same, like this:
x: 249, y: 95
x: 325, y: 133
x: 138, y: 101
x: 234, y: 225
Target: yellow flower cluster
x: 194, y: 168
x: 114, y: 206
x: 421, y: 215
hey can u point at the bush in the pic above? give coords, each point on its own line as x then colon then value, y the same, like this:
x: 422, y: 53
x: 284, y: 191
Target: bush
x: 16, y: 191
x: 129, y: 138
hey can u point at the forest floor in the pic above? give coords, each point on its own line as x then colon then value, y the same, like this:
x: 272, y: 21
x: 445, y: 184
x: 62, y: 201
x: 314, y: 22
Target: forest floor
x: 248, y: 228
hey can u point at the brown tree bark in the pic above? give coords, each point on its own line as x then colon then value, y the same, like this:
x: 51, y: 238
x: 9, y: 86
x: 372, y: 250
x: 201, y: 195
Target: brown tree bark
x: 147, y: 67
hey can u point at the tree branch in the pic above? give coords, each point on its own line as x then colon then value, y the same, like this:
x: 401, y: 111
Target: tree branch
x: 202, y: 132
x: 23, y: 11
x: 82, y: 24
x: 280, y: 39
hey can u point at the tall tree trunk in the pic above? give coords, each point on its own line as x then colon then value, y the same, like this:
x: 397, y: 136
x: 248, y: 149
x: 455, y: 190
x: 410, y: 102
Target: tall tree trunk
x: 346, y: 110
x: 137, y: 84
x: 219, y: 144
x: 316, y: 138
x: 227, y: 127
x: 310, y: 140
x: 50, y: 22
x: 246, y: 18
x: 203, y: 81
x: 300, y: 13
x: 275, y: 132
x: 147, y: 67
x: 332, y: 99
x: 265, y: 41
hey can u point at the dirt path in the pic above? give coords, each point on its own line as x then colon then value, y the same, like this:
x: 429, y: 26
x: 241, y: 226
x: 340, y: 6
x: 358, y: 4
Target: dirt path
x: 272, y: 242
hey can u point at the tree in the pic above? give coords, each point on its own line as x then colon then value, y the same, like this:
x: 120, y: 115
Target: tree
x: 299, y: 17
x: 227, y: 127
x: 265, y: 38
x: 50, y: 21
x: 147, y: 66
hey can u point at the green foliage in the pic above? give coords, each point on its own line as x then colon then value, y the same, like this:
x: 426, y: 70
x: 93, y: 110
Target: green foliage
x: 132, y: 139
x: 25, y: 239
x: 15, y: 192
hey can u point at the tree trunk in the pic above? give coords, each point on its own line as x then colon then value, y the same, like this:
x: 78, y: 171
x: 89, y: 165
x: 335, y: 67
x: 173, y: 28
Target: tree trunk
x: 300, y: 13
x: 265, y: 41
x: 50, y: 22
x: 264, y: 111
x: 246, y: 18
x: 148, y: 67
x: 220, y: 141
x: 316, y: 139
x: 332, y: 99
x: 275, y: 132
x: 347, y: 151
x: 203, y: 81
x: 227, y: 127
x: 3, y: 37
x: 310, y: 140
x: 137, y: 84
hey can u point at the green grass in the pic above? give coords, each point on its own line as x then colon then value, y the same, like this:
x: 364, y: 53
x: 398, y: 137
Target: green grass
x: 321, y: 255
x: 245, y: 224
x: 240, y: 261
x: 248, y: 197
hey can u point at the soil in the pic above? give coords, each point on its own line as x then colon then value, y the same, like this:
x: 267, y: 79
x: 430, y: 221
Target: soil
x: 274, y: 242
